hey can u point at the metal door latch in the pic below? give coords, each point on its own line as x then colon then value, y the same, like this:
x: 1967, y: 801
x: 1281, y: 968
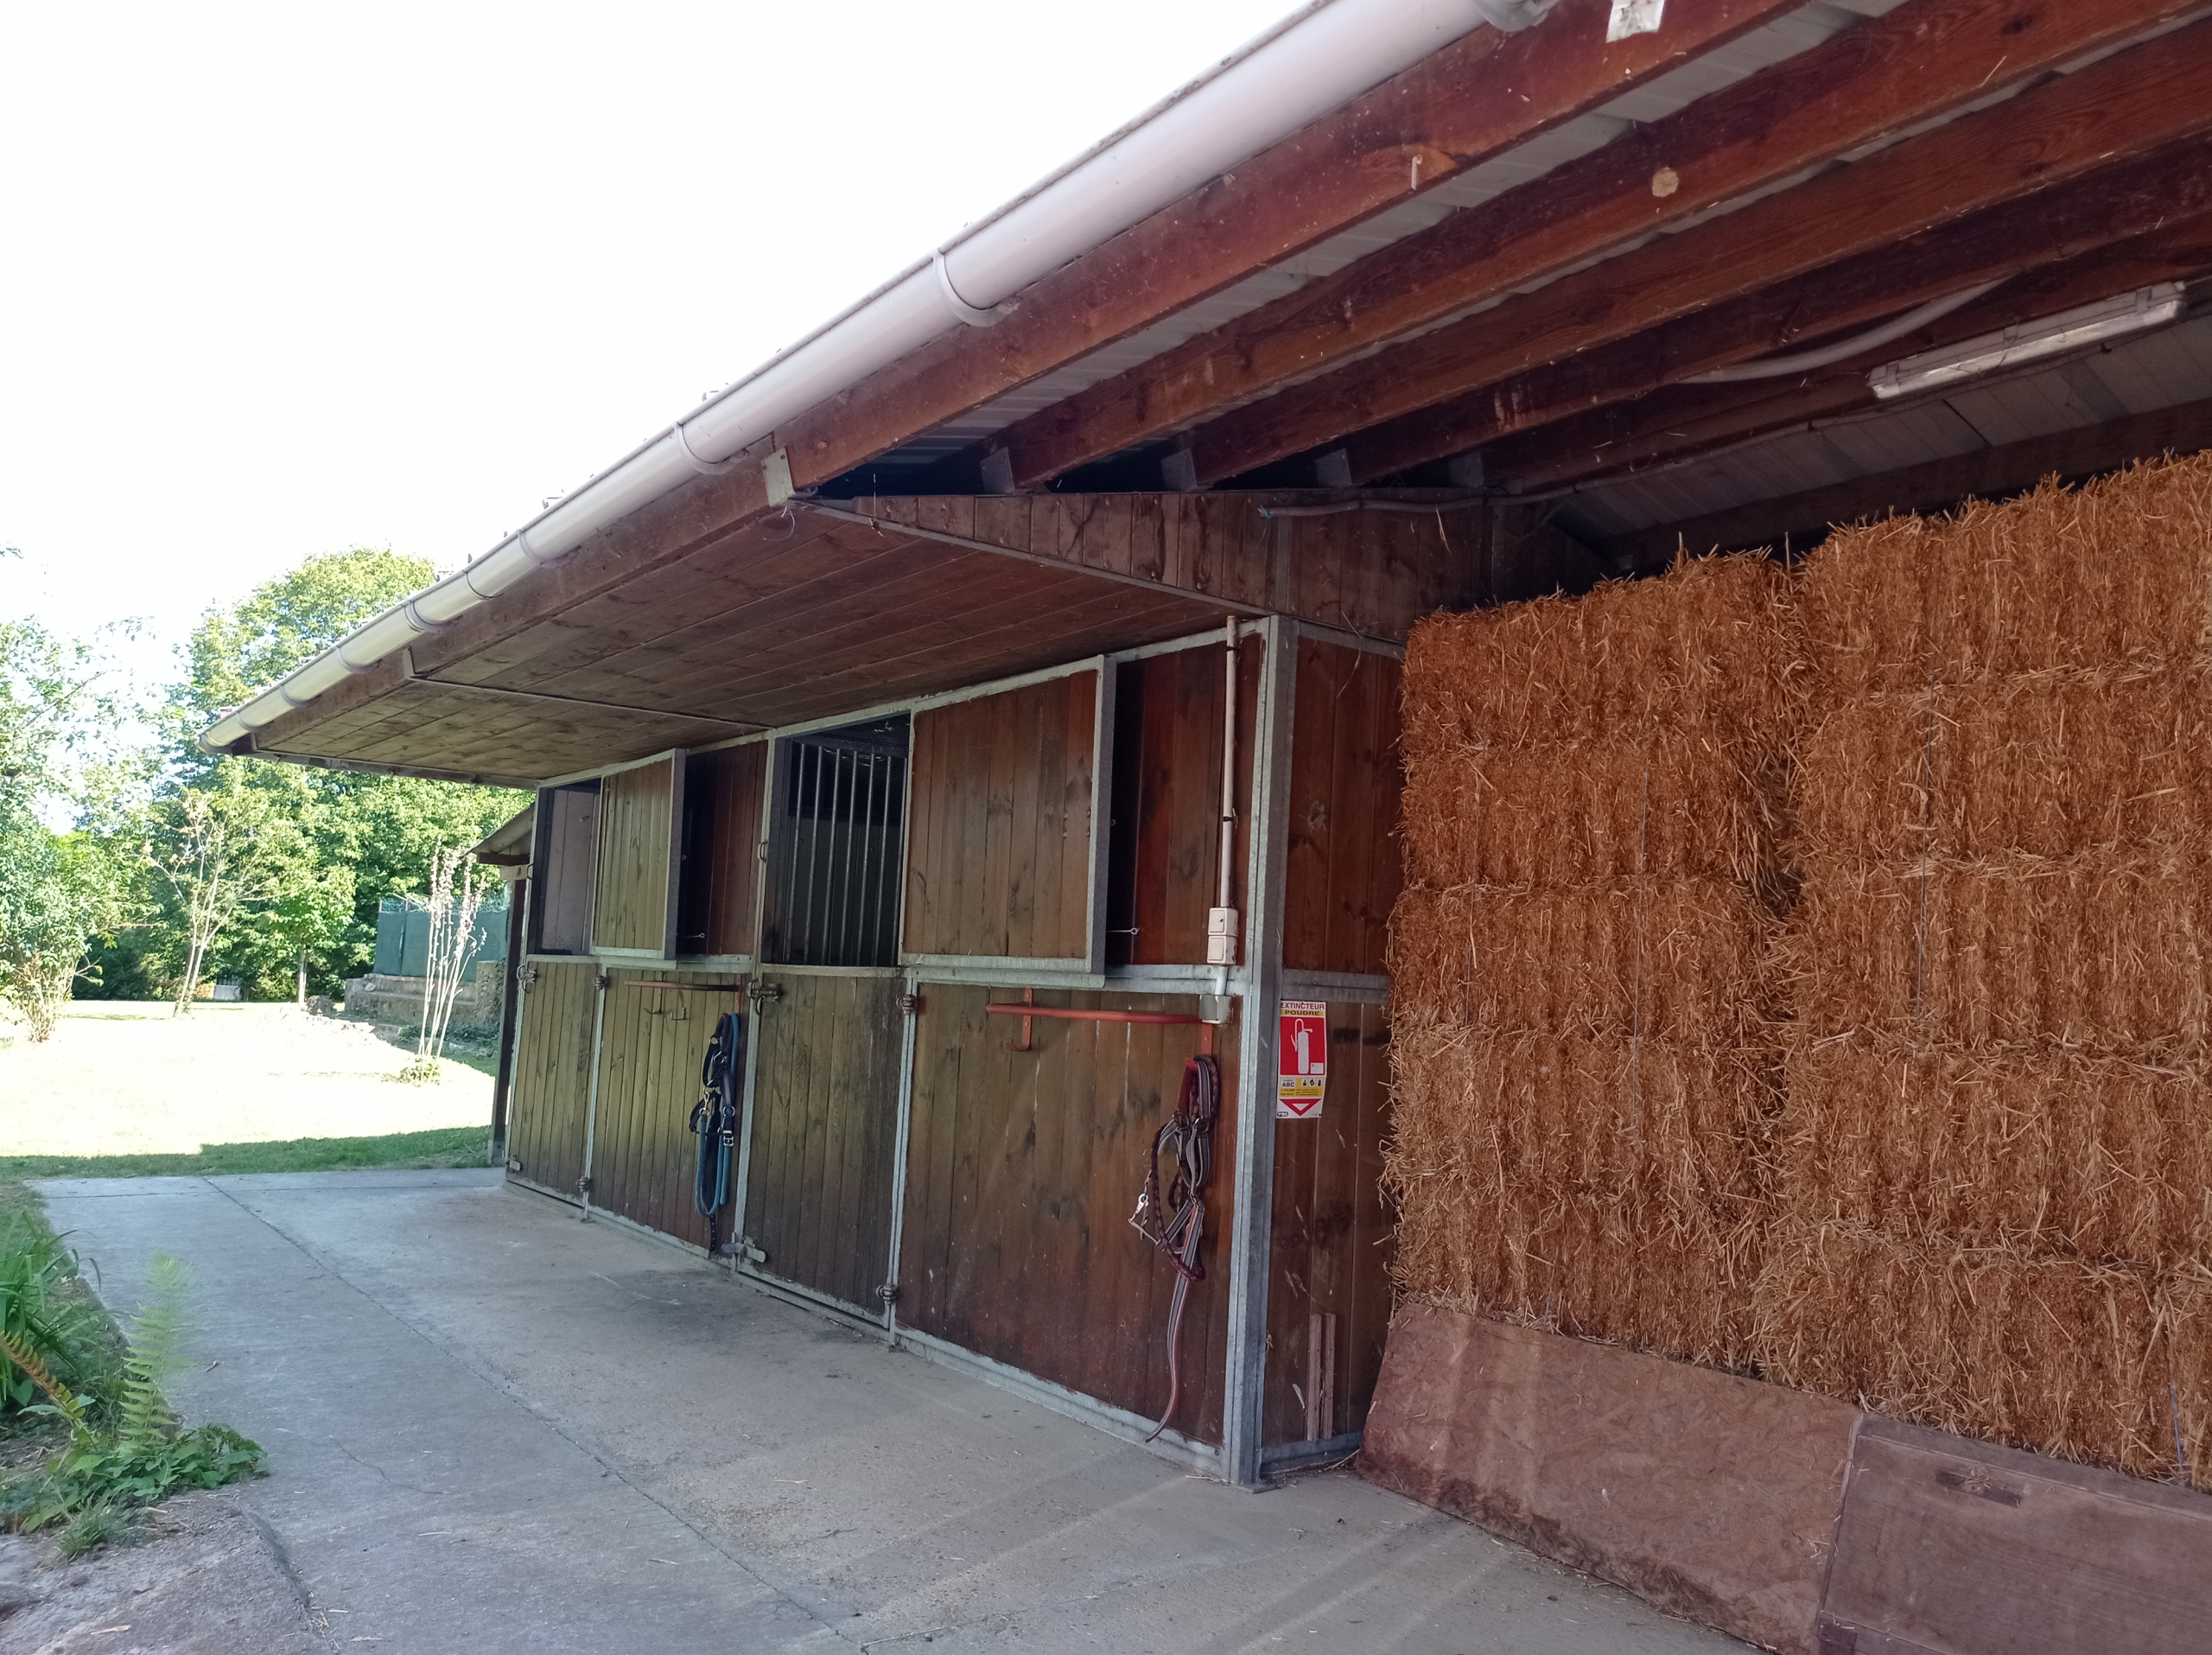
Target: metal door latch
x: 514, y: 1164
x: 762, y: 993
x: 526, y: 974
x: 746, y: 1248
x: 888, y: 1293
x: 911, y: 1004
x: 583, y: 1185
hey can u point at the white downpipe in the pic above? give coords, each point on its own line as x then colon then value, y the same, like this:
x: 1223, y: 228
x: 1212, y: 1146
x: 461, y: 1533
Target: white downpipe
x: 1315, y: 60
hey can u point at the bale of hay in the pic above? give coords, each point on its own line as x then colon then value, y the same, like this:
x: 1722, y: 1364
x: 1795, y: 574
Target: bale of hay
x: 2042, y: 1149
x: 1686, y: 801
x: 1593, y: 804
x: 2115, y: 572
x: 2105, y: 950
x: 2053, y: 764
x: 1711, y: 647
x: 2101, y: 1364
x: 1666, y: 958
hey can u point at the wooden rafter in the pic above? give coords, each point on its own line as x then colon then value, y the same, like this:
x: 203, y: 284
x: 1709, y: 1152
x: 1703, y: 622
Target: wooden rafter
x: 2074, y: 223
x: 2138, y: 101
x: 1683, y: 421
x: 1926, y: 59
x: 1479, y: 96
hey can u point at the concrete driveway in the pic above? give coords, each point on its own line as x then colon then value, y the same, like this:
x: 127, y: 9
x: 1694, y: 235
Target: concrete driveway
x: 492, y: 1427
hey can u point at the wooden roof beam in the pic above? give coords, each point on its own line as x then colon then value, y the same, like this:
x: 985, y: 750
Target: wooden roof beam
x: 1926, y: 59
x: 2154, y: 208
x: 1484, y: 94
x: 1616, y: 437
x: 2129, y: 104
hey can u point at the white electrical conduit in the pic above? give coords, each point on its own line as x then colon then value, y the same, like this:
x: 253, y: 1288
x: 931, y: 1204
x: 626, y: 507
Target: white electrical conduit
x: 1315, y: 60
x: 1774, y: 367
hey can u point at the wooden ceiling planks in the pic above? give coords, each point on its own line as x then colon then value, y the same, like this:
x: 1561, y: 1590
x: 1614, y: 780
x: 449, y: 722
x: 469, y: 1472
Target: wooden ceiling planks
x: 1926, y: 59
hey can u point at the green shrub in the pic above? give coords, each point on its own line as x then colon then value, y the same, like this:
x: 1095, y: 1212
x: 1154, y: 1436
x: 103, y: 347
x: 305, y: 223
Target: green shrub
x: 46, y: 1314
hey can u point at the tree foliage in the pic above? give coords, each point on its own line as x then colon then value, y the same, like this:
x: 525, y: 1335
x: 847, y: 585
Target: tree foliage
x: 254, y: 866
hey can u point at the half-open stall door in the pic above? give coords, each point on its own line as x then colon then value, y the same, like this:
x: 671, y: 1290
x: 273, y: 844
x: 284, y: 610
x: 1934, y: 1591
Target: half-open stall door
x: 825, y: 1129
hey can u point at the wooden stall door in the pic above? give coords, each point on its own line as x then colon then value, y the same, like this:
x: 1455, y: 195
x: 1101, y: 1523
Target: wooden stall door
x: 1022, y: 1168
x: 825, y: 1131
x: 552, y: 1076
x: 644, y: 1153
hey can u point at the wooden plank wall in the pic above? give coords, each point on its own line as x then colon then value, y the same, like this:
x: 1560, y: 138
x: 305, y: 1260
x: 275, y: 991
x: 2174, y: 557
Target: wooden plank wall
x: 998, y: 851
x: 635, y: 823
x: 643, y: 1149
x: 570, y: 852
x: 1022, y: 1170
x: 1375, y: 573
x: 1331, y: 1250
x: 825, y: 1129
x: 715, y: 908
x: 552, y: 1076
x: 1166, y: 789
x: 1345, y: 861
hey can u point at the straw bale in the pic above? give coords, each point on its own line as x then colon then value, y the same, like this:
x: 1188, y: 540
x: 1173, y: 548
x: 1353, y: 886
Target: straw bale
x: 2090, y: 1362
x: 1606, y: 1185
x: 2115, y: 570
x: 2102, y: 1158
x: 1663, y: 958
x: 2054, y: 764
x: 1710, y: 647
x: 1675, y: 802
x: 2103, y: 949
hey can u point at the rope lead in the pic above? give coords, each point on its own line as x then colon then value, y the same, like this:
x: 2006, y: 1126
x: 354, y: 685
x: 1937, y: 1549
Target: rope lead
x: 1177, y: 1224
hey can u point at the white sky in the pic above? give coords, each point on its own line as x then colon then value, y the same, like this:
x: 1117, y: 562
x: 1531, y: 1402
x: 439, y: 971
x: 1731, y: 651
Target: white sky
x: 283, y: 279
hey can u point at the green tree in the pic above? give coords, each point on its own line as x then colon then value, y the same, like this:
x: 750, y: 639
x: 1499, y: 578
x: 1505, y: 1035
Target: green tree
x: 326, y: 847
x: 57, y: 887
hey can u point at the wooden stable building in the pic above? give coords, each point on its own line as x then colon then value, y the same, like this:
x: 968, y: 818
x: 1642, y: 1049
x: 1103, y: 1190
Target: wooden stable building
x: 887, y: 701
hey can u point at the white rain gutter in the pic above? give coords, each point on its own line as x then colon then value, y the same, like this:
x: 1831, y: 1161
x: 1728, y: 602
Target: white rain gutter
x: 1315, y: 60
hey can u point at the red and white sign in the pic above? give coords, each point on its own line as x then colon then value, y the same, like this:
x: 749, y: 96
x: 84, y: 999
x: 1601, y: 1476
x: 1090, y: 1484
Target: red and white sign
x: 1302, y: 1060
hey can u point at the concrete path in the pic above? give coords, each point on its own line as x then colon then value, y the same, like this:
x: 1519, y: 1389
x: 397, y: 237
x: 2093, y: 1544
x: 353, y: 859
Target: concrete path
x: 492, y: 1427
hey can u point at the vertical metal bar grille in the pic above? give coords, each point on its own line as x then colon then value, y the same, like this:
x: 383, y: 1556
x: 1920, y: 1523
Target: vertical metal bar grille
x: 833, y: 891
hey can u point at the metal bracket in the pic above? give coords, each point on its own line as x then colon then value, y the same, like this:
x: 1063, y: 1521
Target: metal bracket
x: 749, y: 1249
x: 762, y: 993
x: 911, y: 1004
x: 583, y: 1185
x: 888, y: 1293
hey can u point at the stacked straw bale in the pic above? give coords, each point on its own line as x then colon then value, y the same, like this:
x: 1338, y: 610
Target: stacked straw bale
x: 1583, y: 1088
x: 1994, y: 1168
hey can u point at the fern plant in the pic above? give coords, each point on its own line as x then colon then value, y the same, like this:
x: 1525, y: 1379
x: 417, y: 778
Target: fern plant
x: 45, y: 1317
x: 145, y: 1456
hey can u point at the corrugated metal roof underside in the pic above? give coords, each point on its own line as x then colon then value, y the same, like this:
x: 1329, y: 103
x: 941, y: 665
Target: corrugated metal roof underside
x: 2134, y: 376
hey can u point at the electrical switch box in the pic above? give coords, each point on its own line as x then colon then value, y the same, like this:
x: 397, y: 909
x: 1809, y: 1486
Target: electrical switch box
x: 1221, y: 936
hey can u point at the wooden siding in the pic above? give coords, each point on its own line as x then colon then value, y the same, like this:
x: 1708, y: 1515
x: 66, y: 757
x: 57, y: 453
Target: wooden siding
x: 568, y: 850
x: 552, y: 1080
x: 643, y: 1149
x: 1022, y: 1170
x: 715, y: 906
x: 1167, y: 787
x: 636, y: 828
x: 1369, y: 572
x: 1330, y: 1249
x: 825, y: 1120
x: 998, y: 854
x: 1345, y: 861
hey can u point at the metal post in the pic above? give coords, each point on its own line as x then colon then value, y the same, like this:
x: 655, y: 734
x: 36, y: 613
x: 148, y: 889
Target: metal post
x: 1252, y: 1217
x: 511, y: 997
x: 591, y: 1106
x: 912, y: 1007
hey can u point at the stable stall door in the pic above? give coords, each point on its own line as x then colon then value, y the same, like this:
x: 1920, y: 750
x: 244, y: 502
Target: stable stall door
x: 825, y: 1128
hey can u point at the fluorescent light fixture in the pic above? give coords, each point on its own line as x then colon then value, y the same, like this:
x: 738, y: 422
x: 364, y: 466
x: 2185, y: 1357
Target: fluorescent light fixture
x: 2028, y: 341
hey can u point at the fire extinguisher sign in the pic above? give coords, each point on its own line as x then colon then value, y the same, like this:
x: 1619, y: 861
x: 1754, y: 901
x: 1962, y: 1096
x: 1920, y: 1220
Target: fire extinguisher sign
x: 1302, y: 1060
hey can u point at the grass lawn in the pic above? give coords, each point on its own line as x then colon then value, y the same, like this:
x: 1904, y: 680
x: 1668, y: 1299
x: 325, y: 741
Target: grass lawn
x: 451, y: 1146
